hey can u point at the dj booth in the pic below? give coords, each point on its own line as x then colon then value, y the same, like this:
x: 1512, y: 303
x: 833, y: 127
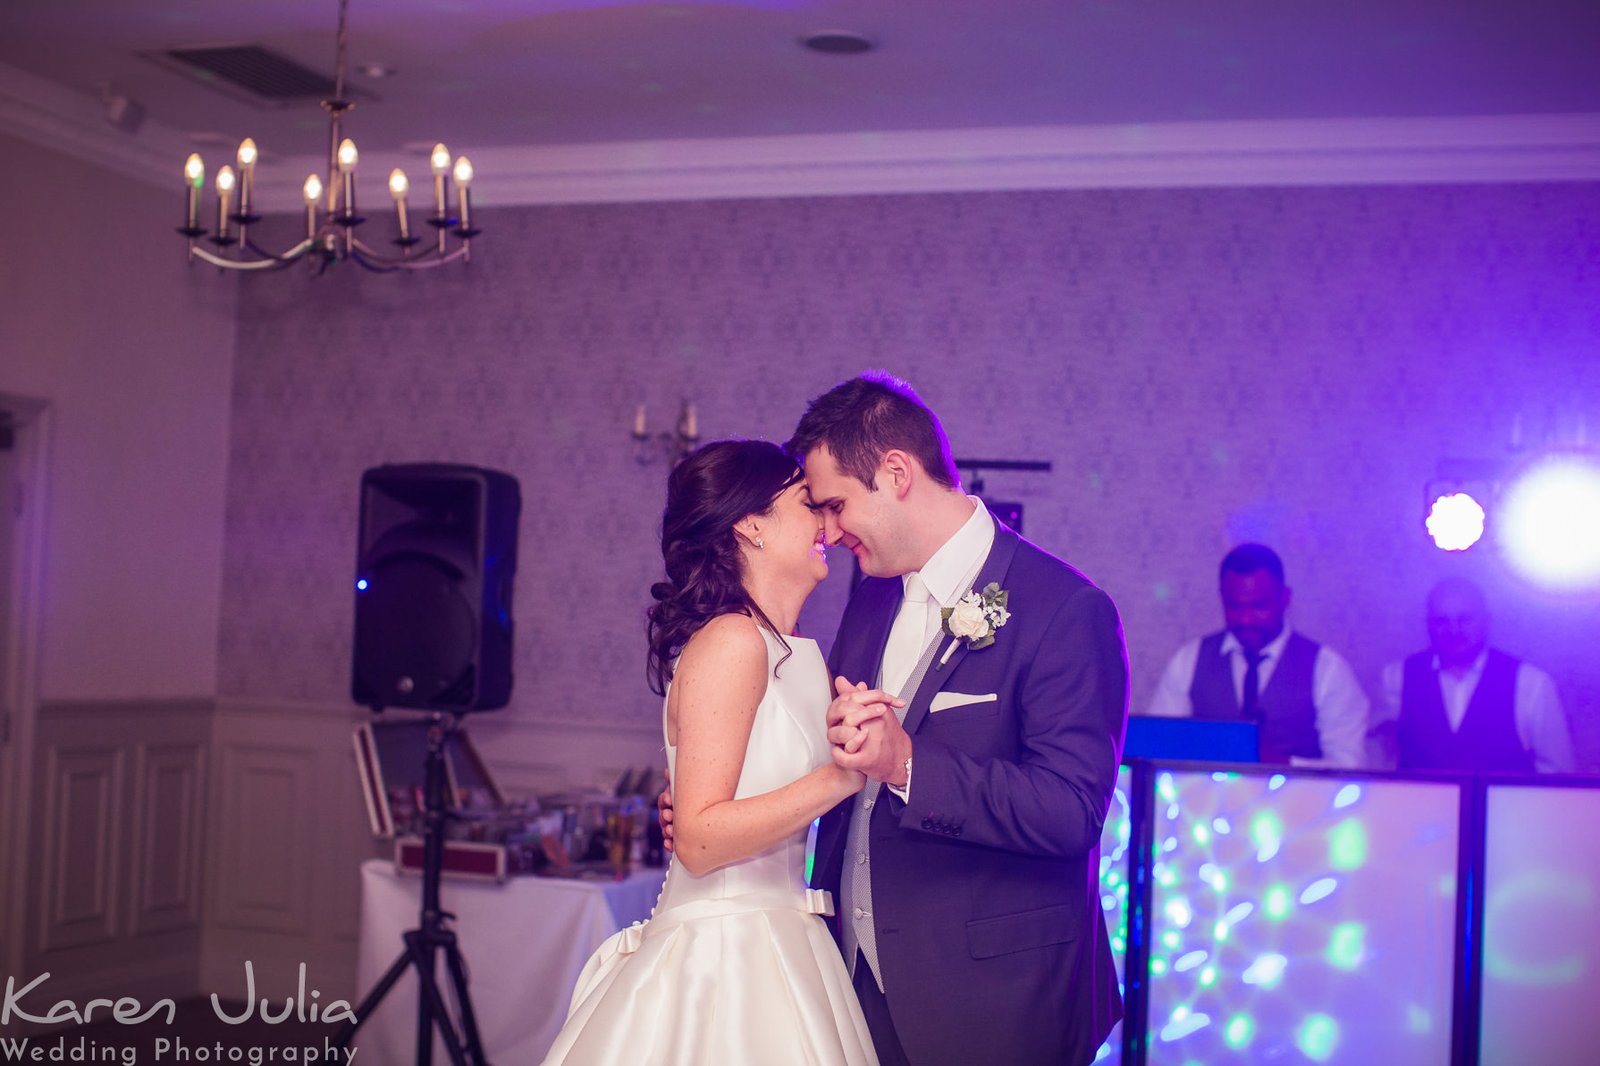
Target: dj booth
x: 1265, y: 913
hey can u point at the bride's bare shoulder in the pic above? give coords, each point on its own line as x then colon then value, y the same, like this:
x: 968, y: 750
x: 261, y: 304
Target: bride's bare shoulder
x: 725, y: 639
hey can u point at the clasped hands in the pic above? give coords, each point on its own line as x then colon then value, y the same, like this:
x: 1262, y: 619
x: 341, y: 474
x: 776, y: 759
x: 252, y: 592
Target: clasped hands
x: 867, y: 739
x: 866, y: 735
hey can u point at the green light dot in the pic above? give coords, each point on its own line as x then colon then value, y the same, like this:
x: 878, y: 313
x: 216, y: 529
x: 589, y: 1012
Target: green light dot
x: 1317, y: 1037
x: 1347, y: 845
x: 1219, y: 932
x: 1266, y: 829
x: 1208, y: 977
x: 1171, y: 940
x: 1219, y: 881
x: 1158, y: 966
x: 1202, y: 835
x: 1346, y: 945
x: 1277, y: 903
x: 1239, y: 1031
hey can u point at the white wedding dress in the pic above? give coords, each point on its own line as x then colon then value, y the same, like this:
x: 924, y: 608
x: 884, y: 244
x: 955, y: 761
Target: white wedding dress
x: 734, y: 968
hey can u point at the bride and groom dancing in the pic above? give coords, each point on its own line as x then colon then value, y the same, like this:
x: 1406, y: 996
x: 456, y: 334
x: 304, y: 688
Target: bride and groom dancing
x: 962, y: 770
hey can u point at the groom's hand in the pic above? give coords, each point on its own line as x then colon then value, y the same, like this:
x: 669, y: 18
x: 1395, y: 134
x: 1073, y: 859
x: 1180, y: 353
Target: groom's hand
x: 864, y: 737
x: 852, y: 708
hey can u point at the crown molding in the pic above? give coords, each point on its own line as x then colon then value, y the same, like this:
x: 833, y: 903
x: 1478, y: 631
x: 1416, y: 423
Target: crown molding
x: 1510, y: 148
x: 73, y: 123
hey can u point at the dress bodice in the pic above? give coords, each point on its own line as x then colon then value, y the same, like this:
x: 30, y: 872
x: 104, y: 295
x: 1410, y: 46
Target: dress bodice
x: 788, y: 739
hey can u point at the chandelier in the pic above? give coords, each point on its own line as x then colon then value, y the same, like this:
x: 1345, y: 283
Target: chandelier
x: 330, y: 206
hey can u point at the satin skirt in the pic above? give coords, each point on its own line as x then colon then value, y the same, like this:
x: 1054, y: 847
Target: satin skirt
x: 745, y: 981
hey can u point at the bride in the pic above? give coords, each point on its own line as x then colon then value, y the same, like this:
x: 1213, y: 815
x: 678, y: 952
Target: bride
x: 735, y: 965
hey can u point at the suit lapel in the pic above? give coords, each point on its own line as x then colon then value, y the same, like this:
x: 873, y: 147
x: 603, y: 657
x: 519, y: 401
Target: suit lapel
x: 862, y: 655
x: 994, y: 569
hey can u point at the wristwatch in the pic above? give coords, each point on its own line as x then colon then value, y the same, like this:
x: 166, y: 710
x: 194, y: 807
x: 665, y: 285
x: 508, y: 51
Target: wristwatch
x: 903, y: 791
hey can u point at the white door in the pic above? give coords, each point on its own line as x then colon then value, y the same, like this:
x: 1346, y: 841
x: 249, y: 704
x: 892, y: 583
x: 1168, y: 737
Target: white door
x: 24, y: 432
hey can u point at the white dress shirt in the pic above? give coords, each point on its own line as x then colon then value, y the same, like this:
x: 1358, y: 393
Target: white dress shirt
x: 1341, y: 703
x: 948, y: 575
x: 1541, y: 723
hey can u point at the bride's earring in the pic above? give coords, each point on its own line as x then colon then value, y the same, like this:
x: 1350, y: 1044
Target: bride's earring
x: 759, y: 542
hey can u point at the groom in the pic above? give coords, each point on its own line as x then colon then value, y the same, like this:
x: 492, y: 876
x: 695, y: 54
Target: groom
x: 969, y: 909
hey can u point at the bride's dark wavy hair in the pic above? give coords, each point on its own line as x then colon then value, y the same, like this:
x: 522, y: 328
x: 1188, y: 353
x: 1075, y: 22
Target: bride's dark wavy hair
x: 707, y: 493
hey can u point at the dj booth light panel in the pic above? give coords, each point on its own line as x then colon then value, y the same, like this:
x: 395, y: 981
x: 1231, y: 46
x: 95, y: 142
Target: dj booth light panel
x: 1115, y: 836
x: 1302, y: 920
x: 1541, y: 926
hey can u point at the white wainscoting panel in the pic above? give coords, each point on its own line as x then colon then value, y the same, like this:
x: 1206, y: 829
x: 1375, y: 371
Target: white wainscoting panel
x: 118, y: 826
x: 169, y: 793
x: 83, y: 845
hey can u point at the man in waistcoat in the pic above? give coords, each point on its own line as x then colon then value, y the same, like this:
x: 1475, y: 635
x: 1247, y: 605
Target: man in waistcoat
x: 1463, y: 706
x: 1311, y: 709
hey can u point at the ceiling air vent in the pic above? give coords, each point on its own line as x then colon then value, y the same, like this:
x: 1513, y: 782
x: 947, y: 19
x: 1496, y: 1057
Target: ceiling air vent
x: 251, y: 72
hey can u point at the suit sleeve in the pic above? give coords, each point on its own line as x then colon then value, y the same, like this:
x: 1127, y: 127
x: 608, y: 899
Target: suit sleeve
x: 1051, y: 800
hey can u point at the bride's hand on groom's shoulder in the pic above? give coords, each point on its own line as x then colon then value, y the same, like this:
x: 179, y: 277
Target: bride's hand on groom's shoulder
x: 664, y: 809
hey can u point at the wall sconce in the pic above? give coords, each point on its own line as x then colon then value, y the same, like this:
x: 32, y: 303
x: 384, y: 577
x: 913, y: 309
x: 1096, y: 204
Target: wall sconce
x: 666, y: 445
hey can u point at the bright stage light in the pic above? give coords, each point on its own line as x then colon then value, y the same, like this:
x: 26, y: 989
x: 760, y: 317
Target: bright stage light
x: 1548, y: 521
x: 1455, y: 522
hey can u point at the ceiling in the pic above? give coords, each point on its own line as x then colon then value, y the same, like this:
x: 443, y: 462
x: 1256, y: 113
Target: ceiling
x: 483, y: 74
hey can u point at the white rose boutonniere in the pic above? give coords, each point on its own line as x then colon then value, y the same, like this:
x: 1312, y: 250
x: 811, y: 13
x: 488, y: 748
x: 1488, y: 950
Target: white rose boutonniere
x: 974, y: 618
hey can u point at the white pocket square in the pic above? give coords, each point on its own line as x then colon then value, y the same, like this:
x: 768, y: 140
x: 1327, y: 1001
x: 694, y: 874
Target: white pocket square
x: 943, y: 701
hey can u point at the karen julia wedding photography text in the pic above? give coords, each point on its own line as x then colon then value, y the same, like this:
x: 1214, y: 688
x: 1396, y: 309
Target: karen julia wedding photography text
x: 303, y: 1006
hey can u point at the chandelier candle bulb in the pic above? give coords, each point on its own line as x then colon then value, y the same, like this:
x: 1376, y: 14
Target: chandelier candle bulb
x: 247, y: 177
x: 224, y: 196
x: 313, y: 193
x: 463, y: 175
x: 398, y: 185
x: 347, y: 175
x: 439, y: 161
x: 691, y: 427
x: 194, y: 178
x: 638, y: 423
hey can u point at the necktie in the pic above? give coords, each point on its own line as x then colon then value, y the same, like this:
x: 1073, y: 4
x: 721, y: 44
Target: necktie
x: 907, y: 636
x: 906, y: 659
x: 1250, y: 699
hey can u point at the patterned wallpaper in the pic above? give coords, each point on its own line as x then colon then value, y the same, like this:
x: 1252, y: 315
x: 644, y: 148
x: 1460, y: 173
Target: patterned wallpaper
x: 1200, y: 367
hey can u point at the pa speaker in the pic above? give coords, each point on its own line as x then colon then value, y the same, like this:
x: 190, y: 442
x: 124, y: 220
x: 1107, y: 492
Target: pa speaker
x: 438, y: 550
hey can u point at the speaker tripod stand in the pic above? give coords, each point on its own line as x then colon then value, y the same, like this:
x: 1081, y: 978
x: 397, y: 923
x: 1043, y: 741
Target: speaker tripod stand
x: 431, y: 938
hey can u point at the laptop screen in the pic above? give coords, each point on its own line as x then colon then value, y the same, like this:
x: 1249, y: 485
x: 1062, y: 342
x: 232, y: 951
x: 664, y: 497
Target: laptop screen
x: 1197, y: 739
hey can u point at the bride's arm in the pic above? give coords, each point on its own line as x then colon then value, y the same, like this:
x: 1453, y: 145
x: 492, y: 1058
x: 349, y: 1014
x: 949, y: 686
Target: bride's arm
x: 720, y: 678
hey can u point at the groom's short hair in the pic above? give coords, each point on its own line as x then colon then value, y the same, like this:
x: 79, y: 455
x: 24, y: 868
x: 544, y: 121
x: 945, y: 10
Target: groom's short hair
x: 862, y: 419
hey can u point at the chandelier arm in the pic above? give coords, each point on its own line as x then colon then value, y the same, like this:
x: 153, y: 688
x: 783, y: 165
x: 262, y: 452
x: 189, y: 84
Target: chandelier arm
x: 290, y: 256
x: 417, y: 256
x: 271, y: 263
x: 380, y: 264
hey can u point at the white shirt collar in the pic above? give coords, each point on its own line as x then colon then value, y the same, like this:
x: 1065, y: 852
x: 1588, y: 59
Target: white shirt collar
x: 952, y: 569
x: 1473, y: 671
x: 1273, y: 649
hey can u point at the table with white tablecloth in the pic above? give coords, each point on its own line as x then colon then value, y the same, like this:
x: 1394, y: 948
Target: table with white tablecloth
x: 524, y: 942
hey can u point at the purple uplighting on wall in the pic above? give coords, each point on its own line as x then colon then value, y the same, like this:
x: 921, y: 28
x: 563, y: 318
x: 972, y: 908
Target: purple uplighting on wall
x: 1195, y: 364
